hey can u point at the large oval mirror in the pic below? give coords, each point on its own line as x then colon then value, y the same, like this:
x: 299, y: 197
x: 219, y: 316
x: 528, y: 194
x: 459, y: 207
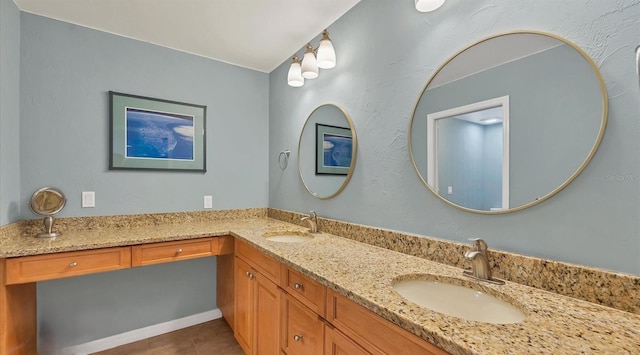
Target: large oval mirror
x: 508, y: 122
x: 327, y: 151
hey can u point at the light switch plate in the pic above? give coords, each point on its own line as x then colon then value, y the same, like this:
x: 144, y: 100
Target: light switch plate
x: 208, y: 202
x: 88, y: 199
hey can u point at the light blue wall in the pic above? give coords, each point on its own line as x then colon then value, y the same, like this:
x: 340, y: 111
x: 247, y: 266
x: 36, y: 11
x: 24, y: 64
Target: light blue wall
x: 460, y: 161
x: 66, y: 73
x: 470, y: 161
x: 80, y: 309
x: 9, y: 112
x: 386, y: 53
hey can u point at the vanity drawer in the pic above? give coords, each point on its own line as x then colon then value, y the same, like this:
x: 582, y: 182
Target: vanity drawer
x: 53, y: 266
x: 164, y: 252
x: 267, y: 265
x: 306, y: 290
x: 365, y: 327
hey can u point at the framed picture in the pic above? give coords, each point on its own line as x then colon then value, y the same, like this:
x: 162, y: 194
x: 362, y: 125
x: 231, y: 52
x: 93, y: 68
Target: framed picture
x: 333, y: 150
x: 155, y: 134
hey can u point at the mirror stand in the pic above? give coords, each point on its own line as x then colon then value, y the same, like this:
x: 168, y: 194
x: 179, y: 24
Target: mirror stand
x: 48, y: 229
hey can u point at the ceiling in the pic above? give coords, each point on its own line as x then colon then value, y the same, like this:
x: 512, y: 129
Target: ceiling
x: 258, y: 34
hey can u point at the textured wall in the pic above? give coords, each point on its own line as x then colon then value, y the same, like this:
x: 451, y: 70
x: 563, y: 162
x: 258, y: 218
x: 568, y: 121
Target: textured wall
x: 386, y: 53
x: 67, y: 71
x: 9, y: 112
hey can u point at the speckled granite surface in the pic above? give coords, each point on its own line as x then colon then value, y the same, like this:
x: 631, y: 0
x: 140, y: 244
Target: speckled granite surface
x: 611, y: 289
x: 366, y: 273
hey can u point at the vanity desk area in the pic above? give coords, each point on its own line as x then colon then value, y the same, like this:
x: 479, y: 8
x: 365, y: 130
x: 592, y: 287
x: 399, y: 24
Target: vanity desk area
x: 320, y: 291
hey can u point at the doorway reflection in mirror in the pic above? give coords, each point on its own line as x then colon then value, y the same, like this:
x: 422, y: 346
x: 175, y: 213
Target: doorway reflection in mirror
x: 468, y: 154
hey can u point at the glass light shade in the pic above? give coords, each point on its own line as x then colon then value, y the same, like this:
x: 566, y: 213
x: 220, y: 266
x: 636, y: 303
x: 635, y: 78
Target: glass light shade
x: 428, y: 5
x: 309, y: 64
x: 294, y: 78
x: 326, y: 55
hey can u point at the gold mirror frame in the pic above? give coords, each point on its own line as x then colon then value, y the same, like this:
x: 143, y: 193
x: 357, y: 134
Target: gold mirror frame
x: 354, y: 149
x: 594, y: 148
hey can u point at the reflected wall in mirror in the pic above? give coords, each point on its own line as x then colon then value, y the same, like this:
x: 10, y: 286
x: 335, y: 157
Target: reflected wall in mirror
x: 468, y: 147
x: 327, y: 151
x: 552, y: 103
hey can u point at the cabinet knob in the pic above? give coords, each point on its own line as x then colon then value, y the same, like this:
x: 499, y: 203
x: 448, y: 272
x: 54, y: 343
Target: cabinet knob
x: 250, y: 275
x: 297, y: 286
x: 297, y: 337
x: 73, y: 264
x: 179, y: 251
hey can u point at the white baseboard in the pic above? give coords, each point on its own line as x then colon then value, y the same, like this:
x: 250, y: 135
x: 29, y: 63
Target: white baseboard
x: 139, y: 334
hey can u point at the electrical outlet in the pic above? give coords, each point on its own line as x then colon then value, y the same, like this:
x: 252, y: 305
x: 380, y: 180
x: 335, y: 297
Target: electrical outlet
x: 88, y: 199
x: 208, y: 202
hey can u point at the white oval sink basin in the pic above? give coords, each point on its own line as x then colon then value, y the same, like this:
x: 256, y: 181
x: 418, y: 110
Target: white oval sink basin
x: 459, y: 301
x: 288, y: 237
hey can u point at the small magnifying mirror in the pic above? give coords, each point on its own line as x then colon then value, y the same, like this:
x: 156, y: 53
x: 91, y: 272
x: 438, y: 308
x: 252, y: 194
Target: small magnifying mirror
x: 46, y: 202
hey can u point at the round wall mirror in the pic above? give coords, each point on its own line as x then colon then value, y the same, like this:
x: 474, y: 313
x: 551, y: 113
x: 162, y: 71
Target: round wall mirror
x: 327, y: 151
x: 46, y: 202
x: 508, y: 122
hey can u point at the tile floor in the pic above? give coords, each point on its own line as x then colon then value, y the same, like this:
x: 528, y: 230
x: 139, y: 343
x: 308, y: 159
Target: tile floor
x: 214, y: 337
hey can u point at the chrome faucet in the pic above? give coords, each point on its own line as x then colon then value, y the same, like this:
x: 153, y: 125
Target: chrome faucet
x: 312, y: 218
x: 480, y: 268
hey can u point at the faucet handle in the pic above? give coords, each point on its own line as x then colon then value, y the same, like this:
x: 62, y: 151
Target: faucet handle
x: 479, y: 244
x: 313, y: 214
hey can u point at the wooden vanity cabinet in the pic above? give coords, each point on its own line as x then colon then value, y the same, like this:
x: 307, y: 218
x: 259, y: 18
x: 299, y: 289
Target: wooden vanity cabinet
x: 303, y: 317
x: 257, y: 301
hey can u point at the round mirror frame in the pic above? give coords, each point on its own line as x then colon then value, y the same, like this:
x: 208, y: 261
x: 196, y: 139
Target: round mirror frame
x: 353, y: 153
x: 34, y: 204
x: 594, y: 148
x: 48, y: 220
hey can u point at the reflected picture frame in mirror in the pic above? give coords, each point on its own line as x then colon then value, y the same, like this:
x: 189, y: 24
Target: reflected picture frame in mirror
x: 540, y: 124
x: 326, y: 180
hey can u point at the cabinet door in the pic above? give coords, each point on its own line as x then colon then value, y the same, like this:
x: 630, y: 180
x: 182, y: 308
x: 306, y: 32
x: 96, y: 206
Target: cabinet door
x: 243, y: 305
x: 266, y: 316
x: 336, y: 343
x: 302, y: 329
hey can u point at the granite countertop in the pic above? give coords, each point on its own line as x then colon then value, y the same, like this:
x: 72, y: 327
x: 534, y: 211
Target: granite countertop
x: 365, y: 274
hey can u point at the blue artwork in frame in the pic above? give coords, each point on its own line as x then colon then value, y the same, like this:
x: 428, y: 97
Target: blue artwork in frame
x: 156, y: 134
x: 334, y: 147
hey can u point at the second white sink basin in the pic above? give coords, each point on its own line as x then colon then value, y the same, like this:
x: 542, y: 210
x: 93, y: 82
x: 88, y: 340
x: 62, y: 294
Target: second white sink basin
x: 288, y: 237
x: 459, y: 301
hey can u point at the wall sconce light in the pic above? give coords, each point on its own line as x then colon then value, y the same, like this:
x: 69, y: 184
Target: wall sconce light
x: 428, y: 5
x: 323, y: 57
